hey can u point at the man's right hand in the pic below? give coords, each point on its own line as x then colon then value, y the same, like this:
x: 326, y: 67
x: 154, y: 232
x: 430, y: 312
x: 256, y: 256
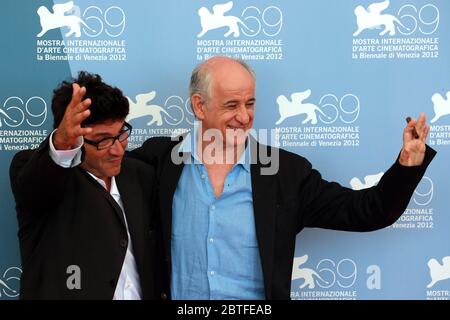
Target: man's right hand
x: 69, y: 130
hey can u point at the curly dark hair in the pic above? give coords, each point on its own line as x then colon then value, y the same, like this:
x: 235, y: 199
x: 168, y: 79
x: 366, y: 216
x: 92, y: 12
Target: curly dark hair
x: 108, y: 103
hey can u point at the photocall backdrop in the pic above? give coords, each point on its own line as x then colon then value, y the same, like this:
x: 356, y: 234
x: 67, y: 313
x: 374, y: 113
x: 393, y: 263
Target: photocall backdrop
x: 335, y: 81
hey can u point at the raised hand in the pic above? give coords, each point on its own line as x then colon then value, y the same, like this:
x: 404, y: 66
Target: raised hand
x: 69, y: 130
x: 413, y: 151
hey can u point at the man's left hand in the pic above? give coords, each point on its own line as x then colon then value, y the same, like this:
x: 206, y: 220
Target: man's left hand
x: 413, y: 150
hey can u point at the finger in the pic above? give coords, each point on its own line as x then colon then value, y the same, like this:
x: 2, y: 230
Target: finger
x: 83, y: 131
x: 410, y: 122
x: 421, y: 126
x: 408, y: 132
x: 77, y: 95
x: 79, y: 99
x: 83, y: 105
x: 74, y: 104
x: 413, y: 128
x: 424, y: 135
x: 80, y: 93
x: 78, y: 118
x: 421, y: 122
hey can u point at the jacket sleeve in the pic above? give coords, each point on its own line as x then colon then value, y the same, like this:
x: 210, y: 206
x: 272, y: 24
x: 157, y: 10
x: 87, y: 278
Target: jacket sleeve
x: 155, y: 151
x: 37, y: 182
x: 332, y: 206
x: 147, y: 152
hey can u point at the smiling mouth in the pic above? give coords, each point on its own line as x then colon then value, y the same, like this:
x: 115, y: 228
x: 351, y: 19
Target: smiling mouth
x: 236, y: 128
x: 115, y: 160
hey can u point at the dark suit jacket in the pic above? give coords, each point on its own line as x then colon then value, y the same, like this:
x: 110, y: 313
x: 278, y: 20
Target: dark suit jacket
x: 67, y: 218
x: 290, y: 200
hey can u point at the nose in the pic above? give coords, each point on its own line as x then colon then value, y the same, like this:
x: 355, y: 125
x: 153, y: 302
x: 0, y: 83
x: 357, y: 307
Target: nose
x: 242, y: 115
x: 117, y: 149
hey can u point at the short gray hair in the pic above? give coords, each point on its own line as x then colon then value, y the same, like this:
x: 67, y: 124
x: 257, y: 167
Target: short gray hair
x: 201, y: 79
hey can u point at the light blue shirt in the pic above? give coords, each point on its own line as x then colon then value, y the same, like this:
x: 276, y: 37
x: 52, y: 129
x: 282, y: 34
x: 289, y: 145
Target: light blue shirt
x: 215, y: 252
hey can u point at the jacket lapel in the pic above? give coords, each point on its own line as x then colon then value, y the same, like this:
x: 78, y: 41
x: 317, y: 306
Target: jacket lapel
x: 264, y: 205
x: 135, y: 217
x: 108, y: 197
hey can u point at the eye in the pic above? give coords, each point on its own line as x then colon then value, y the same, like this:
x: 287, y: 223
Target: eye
x: 250, y: 104
x: 124, y: 135
x: 105, y: 143
x: 231, y: 106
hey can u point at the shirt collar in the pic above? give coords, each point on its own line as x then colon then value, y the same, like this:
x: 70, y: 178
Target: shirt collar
x: 114, y: 190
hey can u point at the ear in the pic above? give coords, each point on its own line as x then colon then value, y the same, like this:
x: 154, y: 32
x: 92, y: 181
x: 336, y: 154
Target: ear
x: 198, y: 106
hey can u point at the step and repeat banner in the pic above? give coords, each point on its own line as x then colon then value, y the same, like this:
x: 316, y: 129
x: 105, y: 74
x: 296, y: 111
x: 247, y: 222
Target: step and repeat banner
x: 335, y: 82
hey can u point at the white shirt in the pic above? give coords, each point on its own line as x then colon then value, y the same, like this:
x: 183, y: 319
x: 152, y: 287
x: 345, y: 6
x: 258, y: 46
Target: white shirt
x: 128, y: 286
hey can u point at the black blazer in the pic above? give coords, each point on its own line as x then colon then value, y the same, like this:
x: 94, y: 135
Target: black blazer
x: 67, y: 218
x: 290, y: 200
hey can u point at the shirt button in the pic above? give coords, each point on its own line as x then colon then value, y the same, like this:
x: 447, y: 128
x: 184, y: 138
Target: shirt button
x: 212, y: 273
x: 213, y: 207
x: 211, y: 240
x: 163, y: 296
x: 123, y: 243
x: 203, y: 176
